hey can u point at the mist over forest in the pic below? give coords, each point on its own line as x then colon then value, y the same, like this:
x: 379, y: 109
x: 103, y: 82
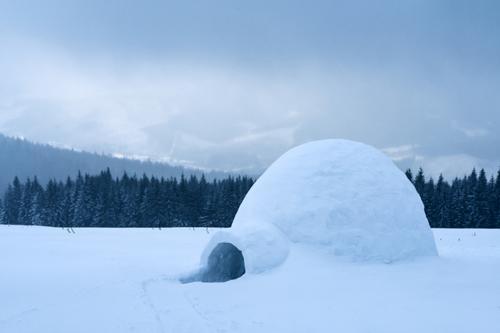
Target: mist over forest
x: 22, y: 158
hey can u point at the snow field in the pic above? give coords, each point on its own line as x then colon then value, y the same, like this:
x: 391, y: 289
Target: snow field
x: 125, y: 280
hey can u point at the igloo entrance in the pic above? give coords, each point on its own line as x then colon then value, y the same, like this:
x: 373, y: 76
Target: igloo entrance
x: 224, y: 263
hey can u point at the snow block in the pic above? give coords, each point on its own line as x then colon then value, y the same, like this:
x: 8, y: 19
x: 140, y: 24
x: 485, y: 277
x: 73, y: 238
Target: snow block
x: 342, y: 195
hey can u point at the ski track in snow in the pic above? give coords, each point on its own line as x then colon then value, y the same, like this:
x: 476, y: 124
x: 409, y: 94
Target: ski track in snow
x: 149, y: 303
x: 184, y: 307
x: 18, y: 317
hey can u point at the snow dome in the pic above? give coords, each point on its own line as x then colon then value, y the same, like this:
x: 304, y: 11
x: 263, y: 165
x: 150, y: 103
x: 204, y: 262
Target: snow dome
x: 346, y: 197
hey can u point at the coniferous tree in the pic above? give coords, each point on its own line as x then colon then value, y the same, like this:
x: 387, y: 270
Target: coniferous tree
x: 457, y: 206
x: 12, y: 202
x: 419, y: 182
x: 36, y: 209
x: 471, y: 212
x: 428, y: 199
x: 2, y: 212
x: 409, y: 175
x: 65, y: 204
x: 26, y: 203
x: 440, y: 200
x: 496, y: 203
x: 481, y: 201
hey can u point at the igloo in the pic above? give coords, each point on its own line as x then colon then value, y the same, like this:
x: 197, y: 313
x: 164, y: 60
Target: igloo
x: 344, y: 196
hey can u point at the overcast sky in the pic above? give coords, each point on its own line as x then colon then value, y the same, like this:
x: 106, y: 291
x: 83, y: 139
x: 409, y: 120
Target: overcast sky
x: 234, y: 84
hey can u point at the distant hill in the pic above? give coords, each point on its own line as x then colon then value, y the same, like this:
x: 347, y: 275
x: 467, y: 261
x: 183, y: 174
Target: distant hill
x: 22, y: 158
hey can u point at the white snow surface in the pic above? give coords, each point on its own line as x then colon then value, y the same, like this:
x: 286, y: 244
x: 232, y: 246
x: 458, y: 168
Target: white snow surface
x: 342, y: 195
x: 126, y: 280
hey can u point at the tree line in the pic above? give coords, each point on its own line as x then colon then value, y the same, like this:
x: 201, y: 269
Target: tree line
x: 472, y: 201
x: 104, y: 201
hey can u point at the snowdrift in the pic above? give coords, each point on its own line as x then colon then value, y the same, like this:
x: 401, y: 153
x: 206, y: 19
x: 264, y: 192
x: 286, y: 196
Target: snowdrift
x: 344, y: 196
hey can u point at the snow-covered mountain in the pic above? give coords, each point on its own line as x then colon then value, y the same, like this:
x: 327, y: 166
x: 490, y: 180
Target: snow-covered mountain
x: 22, y: 158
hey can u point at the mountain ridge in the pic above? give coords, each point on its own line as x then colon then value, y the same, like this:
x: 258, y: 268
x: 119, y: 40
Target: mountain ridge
x: 24, y: 158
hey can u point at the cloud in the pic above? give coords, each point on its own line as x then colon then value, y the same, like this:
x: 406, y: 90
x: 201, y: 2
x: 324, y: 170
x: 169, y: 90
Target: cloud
x: 471, y: 132
x: 457, y: 165
x: 223, y: 115
x: 401, y: 153
x: 209, y: 117
x: 449, y: 165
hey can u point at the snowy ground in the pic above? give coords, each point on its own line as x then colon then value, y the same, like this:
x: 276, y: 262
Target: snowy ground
x: 125, y: 280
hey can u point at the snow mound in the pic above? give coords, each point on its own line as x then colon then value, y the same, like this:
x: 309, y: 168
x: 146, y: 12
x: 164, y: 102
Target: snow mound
x: 342, y: 195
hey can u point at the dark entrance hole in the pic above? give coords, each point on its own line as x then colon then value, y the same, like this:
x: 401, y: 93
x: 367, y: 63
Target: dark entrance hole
x: 224, y: 263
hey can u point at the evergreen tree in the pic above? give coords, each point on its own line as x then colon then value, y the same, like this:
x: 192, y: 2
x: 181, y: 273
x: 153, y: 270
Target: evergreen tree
x: 65, y: 204
x: 429, y: 204
x: 496, y: 204
x: 456, y: 204
x: 419, y: 182
x: 150, y: 206
x: 471, y: 211
x: 481, y: 201
x: 12, y: 202
x: 25, y: 207
x: 2, y: 212
x: 409, y: 175
x: 440, y: 200
x: 36, y: 210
